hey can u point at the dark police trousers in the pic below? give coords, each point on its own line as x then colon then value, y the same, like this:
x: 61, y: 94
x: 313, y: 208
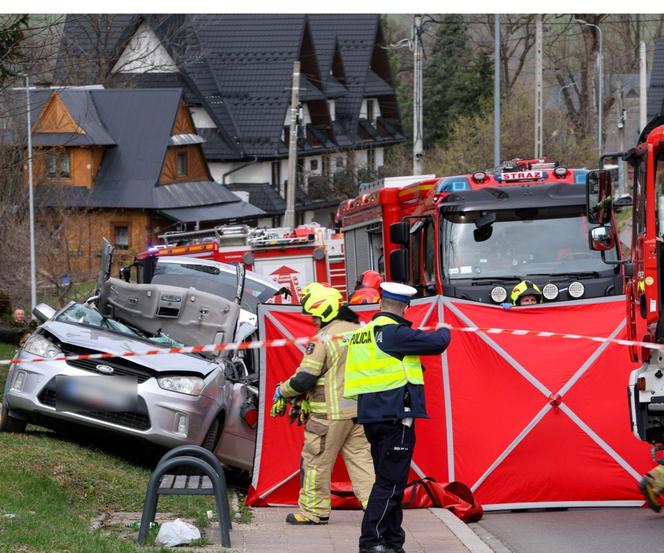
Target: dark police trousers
x: 392, y: 446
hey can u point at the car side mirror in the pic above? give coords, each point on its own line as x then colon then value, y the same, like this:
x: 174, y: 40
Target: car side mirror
x: 400, y: 233
x: 598, y: 197
x: 602, y: 239
x: 399, y: 269
x: 43, y: 312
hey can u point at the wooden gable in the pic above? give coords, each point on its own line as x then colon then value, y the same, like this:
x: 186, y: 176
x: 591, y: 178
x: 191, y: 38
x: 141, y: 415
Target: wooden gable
x: 55, y: 117
x: 183, y: 121
x: 196, y: 169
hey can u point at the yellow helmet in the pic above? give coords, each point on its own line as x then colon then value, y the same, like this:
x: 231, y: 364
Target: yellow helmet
x: 321, y: 301
x: 525, y: 288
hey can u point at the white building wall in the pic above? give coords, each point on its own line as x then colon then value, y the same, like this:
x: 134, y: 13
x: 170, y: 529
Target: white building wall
x: 380, y: 157
x: 265, y: 222
x: 306, y: 116
x: 201, y: 118
x: 145, y: 54
x: 360, y: 159
x: 257, y: 172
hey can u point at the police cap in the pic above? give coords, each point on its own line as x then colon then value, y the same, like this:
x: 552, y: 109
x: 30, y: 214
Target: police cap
x: 397, y: 292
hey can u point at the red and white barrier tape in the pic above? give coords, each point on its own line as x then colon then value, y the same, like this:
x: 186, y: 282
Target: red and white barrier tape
x: 281, y: 342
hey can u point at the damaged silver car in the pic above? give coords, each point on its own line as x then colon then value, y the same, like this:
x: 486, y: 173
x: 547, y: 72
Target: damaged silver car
x: 207, y: 399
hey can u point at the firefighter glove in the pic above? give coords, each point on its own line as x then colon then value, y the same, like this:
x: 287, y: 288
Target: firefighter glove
x: 295, y: 410
x: 305, y: 411
x: 278, y: 404
x: 278, y: 408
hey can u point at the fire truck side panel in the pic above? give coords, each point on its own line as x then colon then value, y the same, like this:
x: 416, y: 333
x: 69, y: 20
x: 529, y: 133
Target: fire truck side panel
x: 294, y: 272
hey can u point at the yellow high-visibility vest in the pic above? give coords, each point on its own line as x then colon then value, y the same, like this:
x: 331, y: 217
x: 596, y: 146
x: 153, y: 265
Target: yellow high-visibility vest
x: 369, y: 369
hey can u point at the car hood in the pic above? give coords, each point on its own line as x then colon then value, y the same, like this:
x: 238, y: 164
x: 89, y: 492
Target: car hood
x: 101, y: 341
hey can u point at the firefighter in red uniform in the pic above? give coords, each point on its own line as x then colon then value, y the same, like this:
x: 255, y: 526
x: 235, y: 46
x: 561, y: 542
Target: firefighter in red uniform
x: 368, y: 289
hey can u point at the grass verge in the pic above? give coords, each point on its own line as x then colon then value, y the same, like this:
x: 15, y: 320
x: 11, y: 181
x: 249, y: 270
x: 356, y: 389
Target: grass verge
x: 52, y: 486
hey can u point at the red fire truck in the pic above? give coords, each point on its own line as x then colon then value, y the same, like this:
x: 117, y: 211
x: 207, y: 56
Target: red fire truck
x: 292, y: 257
x: 643, y: 273
x: 477, y: 235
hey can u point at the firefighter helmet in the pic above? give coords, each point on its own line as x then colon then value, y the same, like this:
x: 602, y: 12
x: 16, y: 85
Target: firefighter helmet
x: 364, y: 295
x: 371, y: 279
x: 525, y: 288
x: 321, y: 301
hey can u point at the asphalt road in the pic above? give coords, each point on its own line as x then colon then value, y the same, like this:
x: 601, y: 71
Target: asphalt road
x: 627, y: 530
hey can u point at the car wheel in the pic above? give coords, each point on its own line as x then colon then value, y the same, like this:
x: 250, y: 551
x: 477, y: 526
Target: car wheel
x: 213, y: 433
x: 9, y: 423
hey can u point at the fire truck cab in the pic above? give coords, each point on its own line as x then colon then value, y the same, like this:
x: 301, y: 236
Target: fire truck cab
x: 644, y: 276
x: 475, y: 236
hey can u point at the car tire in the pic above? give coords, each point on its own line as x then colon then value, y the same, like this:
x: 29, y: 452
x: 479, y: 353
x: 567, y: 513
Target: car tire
x: 213, y: 433
x: 9, y: 423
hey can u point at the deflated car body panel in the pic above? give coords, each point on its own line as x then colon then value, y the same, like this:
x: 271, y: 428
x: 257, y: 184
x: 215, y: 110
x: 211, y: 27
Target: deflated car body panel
x: 186, y: 315
x: 84, y: 340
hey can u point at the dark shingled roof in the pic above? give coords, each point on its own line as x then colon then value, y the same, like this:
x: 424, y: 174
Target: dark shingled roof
x: 138, y: 124
x: 656, y: 88
x: 266, y: 197
x: 238, y: 67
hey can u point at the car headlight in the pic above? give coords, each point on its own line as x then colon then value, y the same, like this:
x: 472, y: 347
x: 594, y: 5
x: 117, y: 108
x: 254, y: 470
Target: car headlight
x: 190, y: 385
x: 40, y: 345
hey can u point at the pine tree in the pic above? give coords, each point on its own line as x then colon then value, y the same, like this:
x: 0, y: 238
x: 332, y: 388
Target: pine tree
x: 456, y: 80
x: 11, y: 36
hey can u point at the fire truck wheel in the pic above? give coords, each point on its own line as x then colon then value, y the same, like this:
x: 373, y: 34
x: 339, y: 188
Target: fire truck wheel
x: 213, y: 433
x: 9, y: 423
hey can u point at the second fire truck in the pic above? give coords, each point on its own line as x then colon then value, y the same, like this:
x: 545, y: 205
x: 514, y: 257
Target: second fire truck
x: 291, y: 257
x: 475, y: 236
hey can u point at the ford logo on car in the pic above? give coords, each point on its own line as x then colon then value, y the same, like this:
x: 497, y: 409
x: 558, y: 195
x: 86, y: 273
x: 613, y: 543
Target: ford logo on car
x: 104, y: 369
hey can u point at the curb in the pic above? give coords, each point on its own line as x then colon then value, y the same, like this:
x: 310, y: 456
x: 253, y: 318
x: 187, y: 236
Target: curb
x: 462, y: 531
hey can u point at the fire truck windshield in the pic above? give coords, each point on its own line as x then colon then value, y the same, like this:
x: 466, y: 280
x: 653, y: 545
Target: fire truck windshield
x: 518, y: 242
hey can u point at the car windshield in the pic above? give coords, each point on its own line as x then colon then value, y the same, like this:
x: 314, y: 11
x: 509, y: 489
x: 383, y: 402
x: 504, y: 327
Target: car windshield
x: 87, y: 316
x: 514, y: 243
x: 214, y: 280
x: 83, y: 315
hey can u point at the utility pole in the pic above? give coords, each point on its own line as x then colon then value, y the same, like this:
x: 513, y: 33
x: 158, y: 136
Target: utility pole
x: 539, y: 132
x: 33, y: 261
x: 496, y: 93
x: 289, y: 217
x: 643, y: 91
x: 620, y: 107
x: 418, y: 147
x: 600, y: 84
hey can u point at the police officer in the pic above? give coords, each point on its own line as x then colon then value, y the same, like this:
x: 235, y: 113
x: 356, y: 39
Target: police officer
x: 330, y: 428
x: 384, y: 370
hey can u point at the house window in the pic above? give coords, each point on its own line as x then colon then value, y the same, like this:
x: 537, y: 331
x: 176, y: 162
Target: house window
x: 64, y: 165
x: 121, y: 237
x: 276, y: 173
x: 313, y: 165
x: 370, y: 110
x: 339, y: 162
x: 326, y: 166
x: 58, y: 165
x: 182, y: 164
x: 371, y: 159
